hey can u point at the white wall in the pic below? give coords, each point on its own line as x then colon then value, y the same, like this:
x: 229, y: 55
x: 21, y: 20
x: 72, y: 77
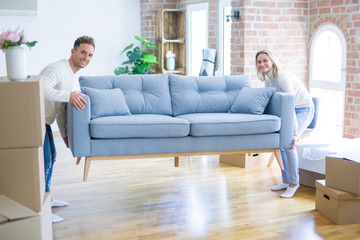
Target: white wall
x: 112, y: 23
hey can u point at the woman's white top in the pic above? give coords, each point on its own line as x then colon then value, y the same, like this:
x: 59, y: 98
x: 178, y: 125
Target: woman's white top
x: 290, y: 83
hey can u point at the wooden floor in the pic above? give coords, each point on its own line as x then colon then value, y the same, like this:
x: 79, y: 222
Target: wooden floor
x: 201, y: 199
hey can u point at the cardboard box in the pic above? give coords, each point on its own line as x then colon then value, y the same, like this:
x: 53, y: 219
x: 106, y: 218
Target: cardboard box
x: 22, y: 176
x: 20, y: 222
x: 22, y: 118
x: 243, y: 160
x: 339, y: 206
x: 46, y: 220
x: 343, y: 171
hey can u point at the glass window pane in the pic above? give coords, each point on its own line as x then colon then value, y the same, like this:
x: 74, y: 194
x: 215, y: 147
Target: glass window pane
x: 198, y: 40
x: 327, y: 57
x: 331, y: 109
x: 327, y: 79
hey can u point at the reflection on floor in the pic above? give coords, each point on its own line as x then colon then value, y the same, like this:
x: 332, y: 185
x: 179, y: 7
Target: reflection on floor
x: 201, y: 199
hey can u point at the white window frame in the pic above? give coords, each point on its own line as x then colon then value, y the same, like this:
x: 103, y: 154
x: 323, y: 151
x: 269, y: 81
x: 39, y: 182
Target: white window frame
x: 222, y: 4
x: 330, y: 88
x: 189, y: 9
x: 324, y: 84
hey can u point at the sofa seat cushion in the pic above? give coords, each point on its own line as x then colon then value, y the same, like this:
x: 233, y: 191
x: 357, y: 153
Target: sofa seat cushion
x: 139, y: 126
x: 222, y: 124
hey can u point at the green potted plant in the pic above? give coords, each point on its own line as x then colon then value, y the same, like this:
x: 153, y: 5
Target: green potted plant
x: 139, y: 61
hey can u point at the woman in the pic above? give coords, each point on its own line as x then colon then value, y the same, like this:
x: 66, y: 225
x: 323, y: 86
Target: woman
x: 268, y: 70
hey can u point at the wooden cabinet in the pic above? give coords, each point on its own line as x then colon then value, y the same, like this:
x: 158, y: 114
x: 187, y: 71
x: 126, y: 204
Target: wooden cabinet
x: 170, y: 35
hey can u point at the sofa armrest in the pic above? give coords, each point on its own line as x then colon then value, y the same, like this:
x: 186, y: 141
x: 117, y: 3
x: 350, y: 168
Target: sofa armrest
x: 78, y: 132
x: 282, y: 105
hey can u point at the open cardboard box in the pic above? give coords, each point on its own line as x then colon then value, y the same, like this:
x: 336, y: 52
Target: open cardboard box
x: 343, y: 171
x: 20, y: 222
x: 339, y: 206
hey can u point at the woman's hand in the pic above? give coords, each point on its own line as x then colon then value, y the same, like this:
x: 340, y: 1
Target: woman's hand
x: 294, y: 142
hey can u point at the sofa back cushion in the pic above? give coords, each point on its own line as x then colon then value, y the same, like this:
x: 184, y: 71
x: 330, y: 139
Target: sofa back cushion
x: 208, y: 94
x: 144, y: 94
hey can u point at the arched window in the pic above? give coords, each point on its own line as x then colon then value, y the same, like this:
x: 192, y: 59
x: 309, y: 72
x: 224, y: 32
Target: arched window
x: 327, y: 78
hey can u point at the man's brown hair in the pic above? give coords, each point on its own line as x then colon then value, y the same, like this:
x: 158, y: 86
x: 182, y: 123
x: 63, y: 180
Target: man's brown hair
x: 84, y: 39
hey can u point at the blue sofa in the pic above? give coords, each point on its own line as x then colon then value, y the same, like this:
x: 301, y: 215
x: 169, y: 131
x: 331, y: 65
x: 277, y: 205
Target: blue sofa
x: 140, y: 116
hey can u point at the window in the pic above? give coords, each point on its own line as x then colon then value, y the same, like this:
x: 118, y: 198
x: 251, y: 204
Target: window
x: 224, y: 56
x: 197, y: 37
x: 327, y: 78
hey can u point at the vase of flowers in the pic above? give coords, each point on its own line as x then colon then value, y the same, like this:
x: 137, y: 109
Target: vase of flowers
x: 11, y: 43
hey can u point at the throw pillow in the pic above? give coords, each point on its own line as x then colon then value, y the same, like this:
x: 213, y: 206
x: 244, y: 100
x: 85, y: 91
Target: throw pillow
x: 106, y: 102
x: 252, y: 100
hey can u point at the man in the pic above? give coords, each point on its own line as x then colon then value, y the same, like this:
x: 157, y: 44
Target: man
x: 58, y: 80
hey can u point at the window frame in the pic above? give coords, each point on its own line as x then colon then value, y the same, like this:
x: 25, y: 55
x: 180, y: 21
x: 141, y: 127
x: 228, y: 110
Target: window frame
x: 326, y: 84
x: 222, y: 5
x: 189, y: 9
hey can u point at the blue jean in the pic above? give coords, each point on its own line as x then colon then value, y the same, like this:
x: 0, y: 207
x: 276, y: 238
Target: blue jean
x: 49, y: 156
x: 290, y: 174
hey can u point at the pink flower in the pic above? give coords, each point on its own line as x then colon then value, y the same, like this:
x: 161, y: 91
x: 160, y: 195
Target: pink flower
x: 12, y: 36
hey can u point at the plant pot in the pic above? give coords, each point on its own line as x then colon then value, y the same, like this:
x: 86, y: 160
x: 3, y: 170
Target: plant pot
x: 16, y: 63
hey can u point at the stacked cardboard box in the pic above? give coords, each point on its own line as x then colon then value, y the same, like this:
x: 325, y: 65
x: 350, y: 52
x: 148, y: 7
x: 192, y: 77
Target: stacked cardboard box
x: 22, y: 131
x: 338, y: 197
x: 244, y: 160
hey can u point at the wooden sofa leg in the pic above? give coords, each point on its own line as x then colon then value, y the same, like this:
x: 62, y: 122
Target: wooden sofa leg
x: 271, y: 160
x: 86, y: 167
x: 176, y: 162
x: 279, y: 158
x: 78, y: 160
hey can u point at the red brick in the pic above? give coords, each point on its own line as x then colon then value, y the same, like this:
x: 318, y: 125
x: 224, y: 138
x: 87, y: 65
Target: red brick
x: 264, y: 4
x: 301, y: 5
x: 356, y: 86
x: 323, y: 3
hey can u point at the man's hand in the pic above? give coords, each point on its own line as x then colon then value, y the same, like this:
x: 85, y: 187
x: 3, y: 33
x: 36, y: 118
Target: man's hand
x: 77, y: 100
x: 66, y: 142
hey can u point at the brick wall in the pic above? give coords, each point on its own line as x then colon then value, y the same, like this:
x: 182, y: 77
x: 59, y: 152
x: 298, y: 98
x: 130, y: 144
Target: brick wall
x: 286, y: 28
x: 279, y: 26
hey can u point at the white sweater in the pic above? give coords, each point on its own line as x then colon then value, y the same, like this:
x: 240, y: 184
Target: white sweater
x: 290, y: 83
x: 58, y: 80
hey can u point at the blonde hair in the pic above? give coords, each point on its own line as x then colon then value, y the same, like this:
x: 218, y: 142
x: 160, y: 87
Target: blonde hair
x: 275, y: 67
